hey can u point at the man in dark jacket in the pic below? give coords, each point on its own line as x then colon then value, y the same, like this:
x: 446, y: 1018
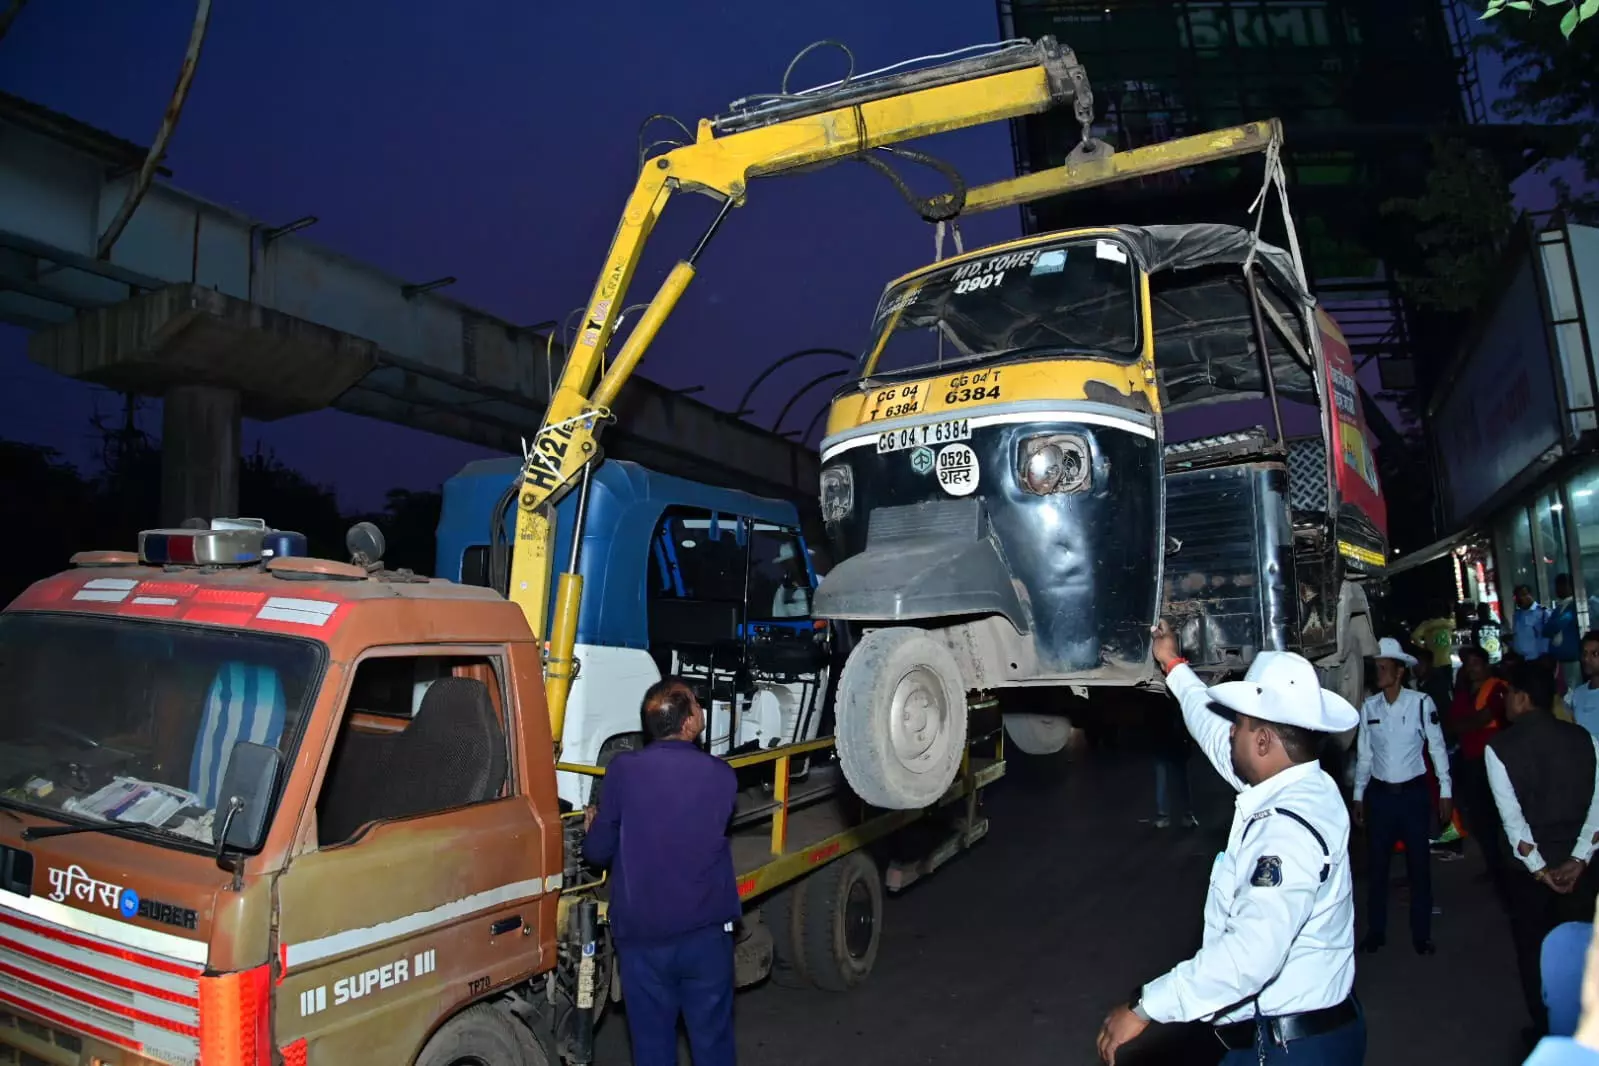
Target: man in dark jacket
x: 662, y: 829
x: 1544, y: 774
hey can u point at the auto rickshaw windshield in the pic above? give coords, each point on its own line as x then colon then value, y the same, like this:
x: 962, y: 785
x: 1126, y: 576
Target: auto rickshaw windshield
x: 132, y: 723
x: 1063, y: 298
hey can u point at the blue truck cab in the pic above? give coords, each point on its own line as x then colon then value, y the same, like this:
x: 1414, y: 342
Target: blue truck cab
x: 679, y: 577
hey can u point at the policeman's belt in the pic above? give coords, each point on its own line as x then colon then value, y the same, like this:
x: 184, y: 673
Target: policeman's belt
x: 1240, y: 1036
x: 1396, y: 786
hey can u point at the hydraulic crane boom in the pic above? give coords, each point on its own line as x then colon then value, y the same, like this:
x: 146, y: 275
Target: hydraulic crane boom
x: 767, y: 136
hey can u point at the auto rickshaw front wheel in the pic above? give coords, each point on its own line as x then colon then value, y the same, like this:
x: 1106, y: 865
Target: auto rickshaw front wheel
x: 901, y: 713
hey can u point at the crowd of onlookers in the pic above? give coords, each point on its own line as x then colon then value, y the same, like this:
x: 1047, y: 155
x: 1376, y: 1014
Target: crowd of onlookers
x: 1520, y: 716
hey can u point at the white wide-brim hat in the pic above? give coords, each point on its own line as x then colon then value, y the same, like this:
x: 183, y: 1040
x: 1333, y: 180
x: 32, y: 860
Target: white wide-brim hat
x: 1283, y: 687
x: 1388, y: 648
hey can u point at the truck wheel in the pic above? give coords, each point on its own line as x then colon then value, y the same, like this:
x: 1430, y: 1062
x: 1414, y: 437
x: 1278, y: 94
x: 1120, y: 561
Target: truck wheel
x: 843, y: 922
x: 482, y: 1036
x: 783, y: 912
x: 901, y: 726
x: 1038, y: 734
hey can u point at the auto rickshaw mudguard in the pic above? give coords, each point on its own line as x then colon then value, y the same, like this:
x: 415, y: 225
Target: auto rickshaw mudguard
x: 909, y: 572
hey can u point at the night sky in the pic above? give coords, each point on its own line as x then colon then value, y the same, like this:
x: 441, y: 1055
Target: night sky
x: 497, y: 142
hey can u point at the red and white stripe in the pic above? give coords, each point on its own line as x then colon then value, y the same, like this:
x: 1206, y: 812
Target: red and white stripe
x: 101, y: 988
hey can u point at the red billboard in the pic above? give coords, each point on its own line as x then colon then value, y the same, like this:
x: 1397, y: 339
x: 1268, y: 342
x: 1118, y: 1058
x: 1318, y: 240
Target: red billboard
x: 1356, y: 465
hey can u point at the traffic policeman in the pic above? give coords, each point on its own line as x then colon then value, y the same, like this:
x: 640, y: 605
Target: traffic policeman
x: 1277, y: 965
x: 1392, y: 798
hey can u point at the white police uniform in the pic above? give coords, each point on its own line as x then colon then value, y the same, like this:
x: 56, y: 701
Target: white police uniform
x: 1279, y: 916
x: 1389, y: 744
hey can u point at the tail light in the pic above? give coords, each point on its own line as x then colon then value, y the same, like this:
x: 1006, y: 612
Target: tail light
x: 235, y: 1021
x: 1054, y: 463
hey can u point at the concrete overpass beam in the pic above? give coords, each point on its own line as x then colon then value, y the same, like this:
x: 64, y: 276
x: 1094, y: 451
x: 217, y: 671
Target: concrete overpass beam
x: 199, y: 453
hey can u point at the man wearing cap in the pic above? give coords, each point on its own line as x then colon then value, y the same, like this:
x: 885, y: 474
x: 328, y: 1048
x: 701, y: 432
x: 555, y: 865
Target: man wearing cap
x: 1277, y: 965
x: 1392, y: 799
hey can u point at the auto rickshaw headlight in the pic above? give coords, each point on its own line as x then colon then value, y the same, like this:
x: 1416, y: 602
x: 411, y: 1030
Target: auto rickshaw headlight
x: 838, y: 493
x: 1054, y: 463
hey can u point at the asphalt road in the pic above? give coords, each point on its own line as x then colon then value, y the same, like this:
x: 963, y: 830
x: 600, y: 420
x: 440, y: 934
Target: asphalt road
x: 1014, y: 951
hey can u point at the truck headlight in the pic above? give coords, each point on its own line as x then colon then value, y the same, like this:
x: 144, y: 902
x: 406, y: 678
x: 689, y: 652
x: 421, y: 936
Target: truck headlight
x: 1054, y: 463
x: 838, y: 493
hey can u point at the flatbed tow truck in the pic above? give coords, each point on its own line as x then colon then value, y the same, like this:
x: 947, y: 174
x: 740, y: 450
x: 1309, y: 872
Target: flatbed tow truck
x: 257, y: 807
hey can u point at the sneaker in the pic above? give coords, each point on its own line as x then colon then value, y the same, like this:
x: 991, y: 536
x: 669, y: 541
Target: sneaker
x: 1448, y: 836
x: 1163, y: 822
x: 1189, y: 821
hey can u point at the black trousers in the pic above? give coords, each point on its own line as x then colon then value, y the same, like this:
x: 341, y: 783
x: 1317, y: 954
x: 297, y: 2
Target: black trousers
x: 1535, y: 909
x: 1478, y: 811
x: 1393, y: 815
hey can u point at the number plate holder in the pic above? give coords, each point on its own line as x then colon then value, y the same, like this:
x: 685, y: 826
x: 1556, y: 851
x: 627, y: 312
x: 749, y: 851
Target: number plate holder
x: 928, y: 434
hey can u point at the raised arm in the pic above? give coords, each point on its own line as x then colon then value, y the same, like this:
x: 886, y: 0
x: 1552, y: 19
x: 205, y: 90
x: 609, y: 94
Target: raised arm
x: 1210, y: 731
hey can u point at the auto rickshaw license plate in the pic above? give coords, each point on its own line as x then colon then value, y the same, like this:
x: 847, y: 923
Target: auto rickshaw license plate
x: 897, y: 440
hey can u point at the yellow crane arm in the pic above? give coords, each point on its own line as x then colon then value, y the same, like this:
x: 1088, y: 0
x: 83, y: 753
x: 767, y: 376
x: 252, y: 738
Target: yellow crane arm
x: 779, y: 134
x: 1097, y: 164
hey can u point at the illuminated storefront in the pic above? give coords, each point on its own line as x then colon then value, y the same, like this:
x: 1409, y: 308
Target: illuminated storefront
x: 1515, y: 436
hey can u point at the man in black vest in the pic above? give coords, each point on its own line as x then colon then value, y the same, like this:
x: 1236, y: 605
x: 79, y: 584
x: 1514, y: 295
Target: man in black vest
x: 1544, y: 774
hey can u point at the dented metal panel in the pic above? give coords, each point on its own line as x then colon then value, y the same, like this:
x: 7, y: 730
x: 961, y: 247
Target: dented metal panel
x: 1229, y: 563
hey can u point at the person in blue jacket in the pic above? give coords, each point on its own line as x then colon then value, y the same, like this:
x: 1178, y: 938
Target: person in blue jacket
x: 661, y: 827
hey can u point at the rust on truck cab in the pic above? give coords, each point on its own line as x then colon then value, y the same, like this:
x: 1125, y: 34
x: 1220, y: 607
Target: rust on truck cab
x: 376, y: 751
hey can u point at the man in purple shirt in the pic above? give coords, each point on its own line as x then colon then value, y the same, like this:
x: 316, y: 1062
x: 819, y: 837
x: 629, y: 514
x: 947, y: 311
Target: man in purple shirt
x: 662, y: 828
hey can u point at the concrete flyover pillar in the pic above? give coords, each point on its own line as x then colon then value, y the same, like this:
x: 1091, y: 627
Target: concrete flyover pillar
x: 199, y: 453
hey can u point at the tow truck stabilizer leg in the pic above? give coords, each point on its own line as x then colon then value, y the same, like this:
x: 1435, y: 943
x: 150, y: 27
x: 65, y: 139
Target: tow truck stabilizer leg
x: 586, y: 917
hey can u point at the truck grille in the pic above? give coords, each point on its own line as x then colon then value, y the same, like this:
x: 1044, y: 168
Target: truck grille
x: 60, y: 987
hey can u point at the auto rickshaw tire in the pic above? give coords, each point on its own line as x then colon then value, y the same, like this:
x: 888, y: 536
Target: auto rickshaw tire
x: 843, y: 922
x: 1039, y: 734
x: 895, y: 681
x: 481, y: 1033
x: 783, y: 913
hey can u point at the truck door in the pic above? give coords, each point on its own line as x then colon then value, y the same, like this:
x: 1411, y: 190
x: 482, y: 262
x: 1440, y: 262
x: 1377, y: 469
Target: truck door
x: 420, y: 869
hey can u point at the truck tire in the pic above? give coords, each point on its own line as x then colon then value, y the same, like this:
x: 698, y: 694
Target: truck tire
x: 1038, y: 734
x: 901, y: 728
x: 479, y: 1035
x: 843, y: 922
x: 783, y: 912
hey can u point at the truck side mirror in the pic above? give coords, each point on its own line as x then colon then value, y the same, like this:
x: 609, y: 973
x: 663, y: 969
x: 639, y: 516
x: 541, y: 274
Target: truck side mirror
x: 246, y: 796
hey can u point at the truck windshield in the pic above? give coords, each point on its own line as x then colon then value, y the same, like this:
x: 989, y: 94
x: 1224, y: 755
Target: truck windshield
x: 131, y: 723
x: 1073, y: 297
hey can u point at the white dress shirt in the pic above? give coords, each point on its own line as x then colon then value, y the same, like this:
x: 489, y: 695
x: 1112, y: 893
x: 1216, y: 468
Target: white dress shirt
x: 1516, y: 828
x: 1280, y: 914
x: 1388, y: 745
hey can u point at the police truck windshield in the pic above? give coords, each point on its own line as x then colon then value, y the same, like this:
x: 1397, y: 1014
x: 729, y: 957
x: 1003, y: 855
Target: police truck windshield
x: 1076, y: 297
x: 130, y: 724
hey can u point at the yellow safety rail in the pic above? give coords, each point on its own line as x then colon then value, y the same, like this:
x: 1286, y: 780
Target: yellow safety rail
x: 788, y: 864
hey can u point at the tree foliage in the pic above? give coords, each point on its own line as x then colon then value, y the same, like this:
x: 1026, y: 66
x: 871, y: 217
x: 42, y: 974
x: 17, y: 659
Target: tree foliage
x: 1572, y: 12
x: 1459, y: 224
x: 1549, y: 79
x: 61, y: 510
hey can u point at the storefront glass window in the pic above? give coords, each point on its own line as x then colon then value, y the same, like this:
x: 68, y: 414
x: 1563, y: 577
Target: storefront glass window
x: 1583, y: 491
x: 1552, y: 548
x: 1517, y: 565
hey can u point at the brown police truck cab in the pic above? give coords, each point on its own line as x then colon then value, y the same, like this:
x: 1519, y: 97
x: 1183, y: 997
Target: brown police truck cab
x: 261, y: 808
x: 296, y: 811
